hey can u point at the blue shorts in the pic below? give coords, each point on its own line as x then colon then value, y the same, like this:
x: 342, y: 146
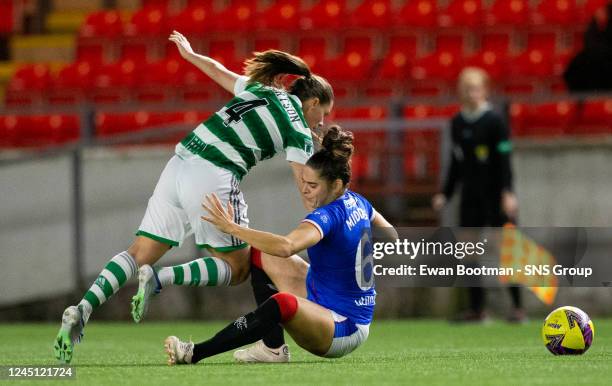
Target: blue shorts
x: 347, y: 336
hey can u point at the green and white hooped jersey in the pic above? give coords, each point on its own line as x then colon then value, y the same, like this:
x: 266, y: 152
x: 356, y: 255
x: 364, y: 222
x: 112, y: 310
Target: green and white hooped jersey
x: 258, y: 123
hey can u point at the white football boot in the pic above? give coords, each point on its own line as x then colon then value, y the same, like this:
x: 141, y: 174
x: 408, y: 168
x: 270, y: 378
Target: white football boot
x: 148, y: 285
x: 69, y: 334
x: 179, y: 353
x: 260, y: 353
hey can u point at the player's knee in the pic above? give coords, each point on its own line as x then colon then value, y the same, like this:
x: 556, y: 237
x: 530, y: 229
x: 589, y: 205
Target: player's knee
x: 240, y: 270
x: 147, y: 251
x: 287, y: 304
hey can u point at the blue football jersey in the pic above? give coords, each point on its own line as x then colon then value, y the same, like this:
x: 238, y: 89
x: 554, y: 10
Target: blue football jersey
x: 336, y: 278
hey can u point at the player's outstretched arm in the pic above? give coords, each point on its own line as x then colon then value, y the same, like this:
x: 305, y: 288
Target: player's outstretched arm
x: 215, y: 70
x: 302, y: 237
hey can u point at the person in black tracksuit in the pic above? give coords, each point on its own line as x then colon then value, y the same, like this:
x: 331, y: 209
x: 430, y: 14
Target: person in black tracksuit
x: 480, y: 161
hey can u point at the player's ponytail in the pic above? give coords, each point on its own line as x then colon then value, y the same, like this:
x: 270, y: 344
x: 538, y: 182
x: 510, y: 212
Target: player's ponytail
x: 333, y: 160
x: 265, y: 66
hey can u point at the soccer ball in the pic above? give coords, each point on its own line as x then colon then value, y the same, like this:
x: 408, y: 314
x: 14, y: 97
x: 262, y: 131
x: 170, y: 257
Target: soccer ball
x: 568, y: 331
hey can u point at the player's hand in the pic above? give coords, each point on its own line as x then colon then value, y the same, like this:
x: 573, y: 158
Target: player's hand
x: 222, y: 218
x: 509, y: 204
x: 438, y: 201
x: 182, y: 44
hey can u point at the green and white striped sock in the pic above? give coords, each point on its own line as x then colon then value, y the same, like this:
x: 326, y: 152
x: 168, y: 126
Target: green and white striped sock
x: 115, y: 274
x: 208, y: 271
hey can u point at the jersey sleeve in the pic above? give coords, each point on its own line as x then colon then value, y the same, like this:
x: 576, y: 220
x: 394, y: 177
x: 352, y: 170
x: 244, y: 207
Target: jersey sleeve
x: 241, y: 84
x: 299, y: 147
x: 322, y: 220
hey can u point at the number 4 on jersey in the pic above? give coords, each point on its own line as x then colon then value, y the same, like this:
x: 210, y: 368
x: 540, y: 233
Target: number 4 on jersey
x: 237, y: 110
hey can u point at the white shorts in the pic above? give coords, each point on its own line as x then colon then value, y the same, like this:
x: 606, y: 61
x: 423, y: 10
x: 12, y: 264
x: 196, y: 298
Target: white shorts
x: 174, y: 210
x: 347, y: 336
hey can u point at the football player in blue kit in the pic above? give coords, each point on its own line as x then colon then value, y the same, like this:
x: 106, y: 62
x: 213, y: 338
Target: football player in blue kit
x: 334, y: 318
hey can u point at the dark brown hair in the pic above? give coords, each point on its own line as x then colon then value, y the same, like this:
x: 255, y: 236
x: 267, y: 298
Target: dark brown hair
x: 314, y: 86
x: 333, y: 160
x: 265, y: 66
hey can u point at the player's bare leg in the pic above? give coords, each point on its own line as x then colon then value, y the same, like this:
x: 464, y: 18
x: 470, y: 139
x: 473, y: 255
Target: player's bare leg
x: 311, y: 325
x: 287, y: 274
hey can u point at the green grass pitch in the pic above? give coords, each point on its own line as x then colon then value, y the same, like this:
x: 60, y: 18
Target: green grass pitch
x: 398, y: 352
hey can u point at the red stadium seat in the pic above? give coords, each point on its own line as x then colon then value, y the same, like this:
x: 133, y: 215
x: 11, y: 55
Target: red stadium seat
x: 64, y: 127
x: 421, y: 154
x: 370, y: 112
x: 418, y: 13
x: 148, y: 22
x: 399, y: 57
x: 453, y: 43
x: 355, y: 62
x: 422, y: 111
x: 493, y: 54
x: 109, y: 124
x: 589, y: 8
x: 444, y: 65
x: 462, y: 13
x: 31, y: 77
x: 240, y: 15
x: 372, y: 14
x: 111, y: 82
x: 38, y: 130
x: 494, y: 63
x: 90, y: 51
x: 509, y: 12
x: 326, y: 15
x: 557, y: 12
x: 313, y: 50
x: 496, y: 42
x: 370, y: 145
x: 193, y: 19
x: 106, y: 23
x: 595, y: 117
x: 224, y: 51
x: 136, y: 51
x: 75, y: 75
x: 263, y: 44
x: 8, y: 131
x: 546, y: 119
x: 284, y: 15
x: 537, y: 59
x: 518, y: 112
x: 28, y: 84
x: 7, y: 17
x: 158, y: 80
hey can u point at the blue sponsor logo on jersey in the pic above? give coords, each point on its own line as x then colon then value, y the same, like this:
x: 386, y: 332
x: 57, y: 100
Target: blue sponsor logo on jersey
x: 368, y: 300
